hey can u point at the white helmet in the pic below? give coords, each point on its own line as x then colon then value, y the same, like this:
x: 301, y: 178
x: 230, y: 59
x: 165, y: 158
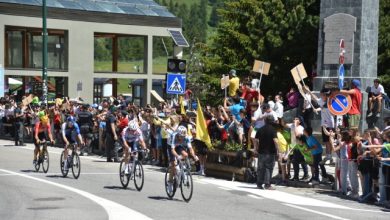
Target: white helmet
x: 182, y: 131
x: 132, y: 125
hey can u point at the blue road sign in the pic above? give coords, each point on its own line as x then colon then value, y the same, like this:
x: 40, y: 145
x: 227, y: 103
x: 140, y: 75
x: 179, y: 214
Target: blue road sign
x: 341, y: 76
x: 339, y: 104
x: 176, y: 83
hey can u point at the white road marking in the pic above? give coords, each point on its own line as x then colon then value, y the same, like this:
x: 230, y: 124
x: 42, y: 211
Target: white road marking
x: 114, y: 210
x: 282, y: 197
x: 316, y: 212
x: 255, y: 197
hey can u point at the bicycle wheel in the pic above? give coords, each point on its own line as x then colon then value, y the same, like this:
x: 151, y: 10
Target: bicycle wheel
x: 186, y: 186
x: 37, y: 164
x: 122, y: 176
x: 76, y: 166
x: 138, y: 175
x: 170, y: 194
x: 45, y: 161
x: 62, y: 163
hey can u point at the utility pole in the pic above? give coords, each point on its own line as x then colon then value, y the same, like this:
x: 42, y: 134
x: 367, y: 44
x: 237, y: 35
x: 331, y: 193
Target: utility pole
x: 44, y: 52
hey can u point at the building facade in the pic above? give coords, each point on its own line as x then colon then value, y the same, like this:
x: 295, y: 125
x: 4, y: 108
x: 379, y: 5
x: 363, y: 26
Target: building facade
x: 88, y: 41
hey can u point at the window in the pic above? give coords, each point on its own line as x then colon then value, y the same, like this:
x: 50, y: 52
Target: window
x: 131, y: 54
x: 103, y: 54
x: 24, y: 48
x: 15, y: 49
x: 162, y: 47
x: 119, y: 53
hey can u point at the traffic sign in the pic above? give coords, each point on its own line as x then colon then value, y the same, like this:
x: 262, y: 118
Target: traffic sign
x: 339, y: 104
x: 176, y: 83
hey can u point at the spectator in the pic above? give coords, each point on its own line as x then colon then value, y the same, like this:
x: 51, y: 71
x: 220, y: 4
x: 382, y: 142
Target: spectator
x: 278, y: 108
x: 327, y: 119
x: 292, y: 98
x: 111, y: 136
x: 376, y: 96
x: 267, y: 151
x: 355, y: 111
x: 316, y: 150
x: 19, y: 122
x: 234, y: 83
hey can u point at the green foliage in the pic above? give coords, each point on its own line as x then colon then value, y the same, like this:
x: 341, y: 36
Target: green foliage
x: 233, y: 146
x: 281, y: 32
x: 384, y: 44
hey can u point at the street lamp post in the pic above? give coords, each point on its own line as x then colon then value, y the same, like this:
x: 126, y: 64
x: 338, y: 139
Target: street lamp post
x: 44, y: 52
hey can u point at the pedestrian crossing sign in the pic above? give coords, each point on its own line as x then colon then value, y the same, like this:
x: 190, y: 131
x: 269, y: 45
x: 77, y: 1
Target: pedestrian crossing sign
x: 176, y: 83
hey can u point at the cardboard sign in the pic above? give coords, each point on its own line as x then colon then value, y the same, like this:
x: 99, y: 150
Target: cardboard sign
x: 26, y: 101
x: 299, y: 73
x: 261, y: 67
x: 224, y: 81
x: 65, y: 106
x: 157, y: 96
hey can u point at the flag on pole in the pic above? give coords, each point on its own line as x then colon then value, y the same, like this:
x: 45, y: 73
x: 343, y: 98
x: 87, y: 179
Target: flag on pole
x: 181, y: 102
x: 201, y: 128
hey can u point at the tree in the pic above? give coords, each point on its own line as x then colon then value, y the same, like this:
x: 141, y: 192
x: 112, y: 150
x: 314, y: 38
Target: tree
x: 384, y: 44
x: 281, y: 32
x: 213, y: 21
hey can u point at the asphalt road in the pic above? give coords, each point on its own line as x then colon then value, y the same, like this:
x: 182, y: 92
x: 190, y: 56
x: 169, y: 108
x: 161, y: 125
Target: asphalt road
x: 98, y: 194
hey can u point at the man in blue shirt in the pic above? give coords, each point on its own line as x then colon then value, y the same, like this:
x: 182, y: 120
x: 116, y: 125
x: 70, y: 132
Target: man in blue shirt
x: 235, y: 108
x: 316, y: 150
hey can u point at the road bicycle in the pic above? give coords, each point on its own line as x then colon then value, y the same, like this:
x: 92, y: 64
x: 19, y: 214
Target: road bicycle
x: 135, y: 171
x: 43, y: 157
x: 73, y: 162
x: 182, y: 179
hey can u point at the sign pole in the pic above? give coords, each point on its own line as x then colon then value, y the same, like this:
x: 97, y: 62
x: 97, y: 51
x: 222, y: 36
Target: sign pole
x: 261, y: 74
x: 44, y: 53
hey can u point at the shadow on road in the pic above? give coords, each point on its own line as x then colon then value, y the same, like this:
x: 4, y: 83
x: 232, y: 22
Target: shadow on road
x: 29, y: 171
x: 118, y: 188
x: 161, y: 198
x: 55, y: 176
x: 8, y: 145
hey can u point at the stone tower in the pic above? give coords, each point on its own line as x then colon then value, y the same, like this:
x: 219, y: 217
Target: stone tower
x: 355, y: 21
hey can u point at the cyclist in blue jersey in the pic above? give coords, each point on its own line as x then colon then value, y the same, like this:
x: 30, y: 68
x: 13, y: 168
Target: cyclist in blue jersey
x: 131, y: 136
x: 70, y: 130
x: 180, y: 143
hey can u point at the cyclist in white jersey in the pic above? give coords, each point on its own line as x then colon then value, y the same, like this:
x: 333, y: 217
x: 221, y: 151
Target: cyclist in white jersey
x: 180, y: 142
x: 131, y: 136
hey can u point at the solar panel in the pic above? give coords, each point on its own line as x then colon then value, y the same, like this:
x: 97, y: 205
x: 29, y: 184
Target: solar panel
x: 179, y: 39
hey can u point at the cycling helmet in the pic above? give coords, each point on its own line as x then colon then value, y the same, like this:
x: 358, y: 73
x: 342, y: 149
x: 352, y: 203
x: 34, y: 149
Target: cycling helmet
x: 70, y: 119
x: 182, y: 131
x: 44, y: 119
x: 132, y: 125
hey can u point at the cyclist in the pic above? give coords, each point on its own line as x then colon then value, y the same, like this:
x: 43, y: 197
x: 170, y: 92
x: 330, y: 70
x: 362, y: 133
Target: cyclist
x: 85, y: 121
x: 70, y: 129
x: 180, y: 143
x: 131, y: 136
x: 42, y: 129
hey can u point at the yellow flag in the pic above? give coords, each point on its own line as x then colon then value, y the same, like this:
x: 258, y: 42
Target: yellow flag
x: 181, y: 102
x: 201, y: 127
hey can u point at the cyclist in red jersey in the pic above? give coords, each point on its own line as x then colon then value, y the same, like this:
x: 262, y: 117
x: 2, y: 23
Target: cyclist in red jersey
x: 42, y: 129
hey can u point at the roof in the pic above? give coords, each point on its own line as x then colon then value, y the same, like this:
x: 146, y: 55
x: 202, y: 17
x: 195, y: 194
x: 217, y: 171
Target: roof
x: 138, y: 12
x: 129, y: 7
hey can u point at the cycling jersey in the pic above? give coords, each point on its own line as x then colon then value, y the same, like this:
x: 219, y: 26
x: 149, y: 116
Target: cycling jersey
x: 129, y: 135
x: 70, y: 132
x: 184, y: 142
x: 39, y: 128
